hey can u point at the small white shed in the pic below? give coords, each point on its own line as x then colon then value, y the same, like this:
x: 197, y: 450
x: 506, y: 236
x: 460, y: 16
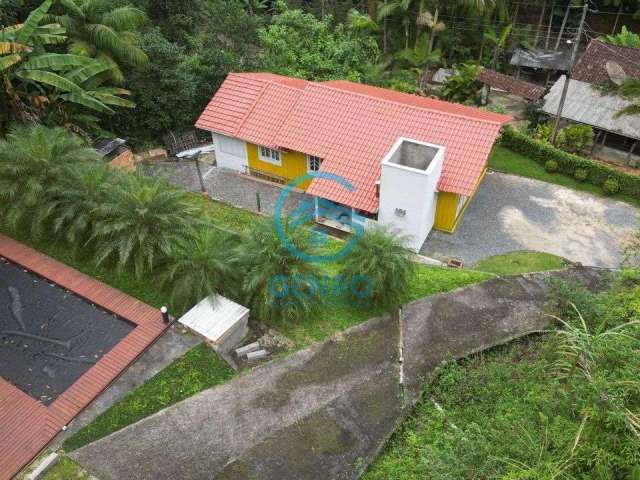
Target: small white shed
x: 221, y: 321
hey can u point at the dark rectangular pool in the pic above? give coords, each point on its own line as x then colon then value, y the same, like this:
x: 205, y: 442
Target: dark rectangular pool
x: 48, y: 336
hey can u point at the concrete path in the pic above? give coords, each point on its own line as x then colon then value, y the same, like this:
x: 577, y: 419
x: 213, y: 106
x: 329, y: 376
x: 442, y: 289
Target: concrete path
x: 515, y: 213
x: 324, y: 412
x: 170, y: 346
x: 227, y: 186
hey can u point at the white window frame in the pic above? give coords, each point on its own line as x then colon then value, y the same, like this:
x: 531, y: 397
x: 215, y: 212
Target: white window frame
x: 311, y: 158
x: 270, y: 155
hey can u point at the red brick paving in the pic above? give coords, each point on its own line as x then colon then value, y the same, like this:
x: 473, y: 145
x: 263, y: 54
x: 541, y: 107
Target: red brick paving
x: 26, y: 425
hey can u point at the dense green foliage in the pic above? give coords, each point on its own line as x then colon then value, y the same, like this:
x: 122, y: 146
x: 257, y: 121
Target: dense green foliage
x: 504, y: 160
x: 559, y: 406
x: 32, y: 161
x: 568, y: 163
x: 379, y: 268
x: 625, y: 38
x: 40, y: 84
x: 462, y: 86
x: 298, y: 44
x: 276, y: 283
x: 198, y: 369
x: 575, y: 138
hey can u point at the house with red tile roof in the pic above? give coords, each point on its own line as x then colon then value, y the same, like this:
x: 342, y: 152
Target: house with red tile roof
x: 409, y: 161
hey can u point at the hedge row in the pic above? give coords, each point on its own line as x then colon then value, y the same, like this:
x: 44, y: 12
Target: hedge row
x: 568, y: 163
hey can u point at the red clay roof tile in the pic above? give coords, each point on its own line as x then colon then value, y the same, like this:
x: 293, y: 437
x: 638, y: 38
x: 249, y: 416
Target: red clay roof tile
x: 352, y: 126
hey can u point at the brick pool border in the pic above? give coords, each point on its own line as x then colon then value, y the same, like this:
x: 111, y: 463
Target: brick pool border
x: 26, y: 425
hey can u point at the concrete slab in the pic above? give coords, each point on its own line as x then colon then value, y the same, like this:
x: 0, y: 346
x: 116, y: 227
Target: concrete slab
x: 324, y: 412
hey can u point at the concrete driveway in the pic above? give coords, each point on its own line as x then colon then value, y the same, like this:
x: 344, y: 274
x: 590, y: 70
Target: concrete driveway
x: 514, y: 213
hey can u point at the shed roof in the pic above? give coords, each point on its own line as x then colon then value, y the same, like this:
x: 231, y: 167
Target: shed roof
x: 214, y: 317
x: 540, y: 58
x: 591, y: 106
x: 351, y: 126
x: 523, y: 89
x: 592, y: 65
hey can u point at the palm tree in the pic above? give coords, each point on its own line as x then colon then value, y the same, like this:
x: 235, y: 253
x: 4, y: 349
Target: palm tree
x: 379, y: 268
x: 33, y: 159
x: 104, y: 31
x: 140, y: 221
x: 198, y: 266
x: 401, y: 10
x: 276, y: 283
x: 75, y: 198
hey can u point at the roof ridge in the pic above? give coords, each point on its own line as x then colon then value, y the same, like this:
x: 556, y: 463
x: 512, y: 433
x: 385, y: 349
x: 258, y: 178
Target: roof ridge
x: 434, y: 110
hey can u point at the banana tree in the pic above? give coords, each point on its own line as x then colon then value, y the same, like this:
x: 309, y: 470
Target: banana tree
x: 34, y: 79
x: 499, y: 42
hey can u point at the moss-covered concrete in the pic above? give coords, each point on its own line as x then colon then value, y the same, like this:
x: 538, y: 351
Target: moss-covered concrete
x: 324, y: 412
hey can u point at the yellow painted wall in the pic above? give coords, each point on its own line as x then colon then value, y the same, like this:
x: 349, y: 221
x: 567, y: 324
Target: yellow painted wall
x: 447, y: 207
x: 294, y: 164
x: 446, y: 211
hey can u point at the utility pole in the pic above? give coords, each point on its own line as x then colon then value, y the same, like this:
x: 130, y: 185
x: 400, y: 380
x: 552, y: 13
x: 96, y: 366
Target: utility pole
x: 565, y: 87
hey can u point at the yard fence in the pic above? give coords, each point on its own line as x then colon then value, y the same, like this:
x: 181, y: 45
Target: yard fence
x: 568, y: 163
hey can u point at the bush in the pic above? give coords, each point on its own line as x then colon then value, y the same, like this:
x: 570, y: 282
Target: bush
x: 581, y: 174
x: 551, y: 166
x: 462, y: 86
x: 568, y: 163
x: 543, y: 132
x: 575, y: 138
x: 383, y: 264
x: 611, y: 186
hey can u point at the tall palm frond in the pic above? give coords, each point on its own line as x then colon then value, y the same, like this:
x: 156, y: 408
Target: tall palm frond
x: 198, y: 266
x: 630, y: 89
x: 101, y: 30
x: 75, y: 197
x: 139, y: 221
x: 276, y: 283
x: 32, y: 160
x: 380, y: 267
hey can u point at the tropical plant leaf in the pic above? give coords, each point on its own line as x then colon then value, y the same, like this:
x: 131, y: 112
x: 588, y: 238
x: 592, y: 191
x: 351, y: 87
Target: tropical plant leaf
x: 84, y: 73
x: 30, y: 25
x: 71, y: 7
x: 58, y: 62
x: 8, y: 61
x: 81, y: 98
x: 124, y: 18
x: 7, y: 48
x: 109, y: 99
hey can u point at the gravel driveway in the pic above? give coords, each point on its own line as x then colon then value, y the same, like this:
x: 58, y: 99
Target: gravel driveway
x: 515, y: 213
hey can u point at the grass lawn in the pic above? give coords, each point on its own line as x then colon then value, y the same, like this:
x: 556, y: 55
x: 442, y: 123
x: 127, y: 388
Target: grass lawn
x: 66, y: 469
x: 513, y: 263
x: 198, y: 369
x: 339, y: 312
x: 507, y: 161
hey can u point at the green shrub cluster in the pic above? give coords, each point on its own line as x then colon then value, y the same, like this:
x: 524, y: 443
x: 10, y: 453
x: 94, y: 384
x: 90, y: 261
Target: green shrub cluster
x: 57, y: 187
x: 569, y: 164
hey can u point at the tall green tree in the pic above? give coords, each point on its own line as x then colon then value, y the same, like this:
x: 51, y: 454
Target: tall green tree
x: 103, y: 30
x: 300, y: 45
